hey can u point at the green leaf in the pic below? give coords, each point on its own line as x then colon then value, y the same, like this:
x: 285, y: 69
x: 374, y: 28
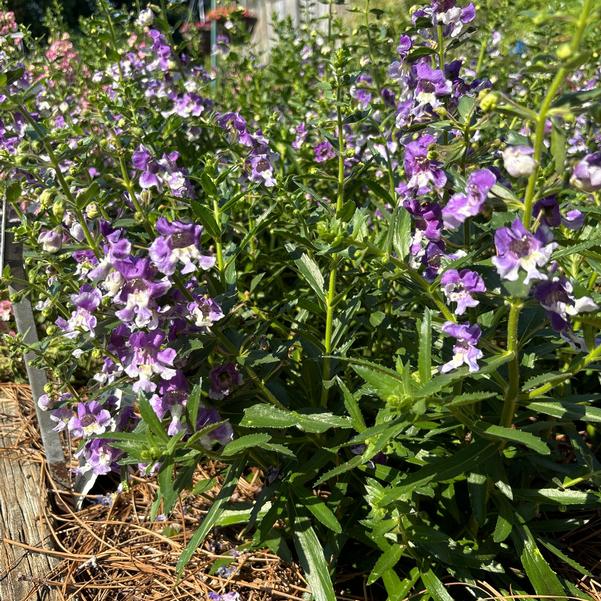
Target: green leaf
x: 352, y: 406
x: 536, y: 381
x: 401, y: 232
x: 193, y: 404
x: 389, y: 558
x: 213, y: 515
x: 208, y: 185
x: 467, y: 459
x: 543, y: 578
x: 151, y: 420
x: 388, y: 384
x: 435, y: 587
x: 568, y: 411
x: 266, y: 416
x: 317, y: 507
x: 568, y: 560
x: 468, y: 398
x: 555, y: 496
x: 207, y: 219
x: 312, y: 561
x: 309, y: 270
x: 558, y: 147
x: 573, y: 249
x: 204, y: 486
x: 503, y: 529
x: 347, y: 466
x: 243, y: 443
x: 425, y: 347
x: 519, y: 436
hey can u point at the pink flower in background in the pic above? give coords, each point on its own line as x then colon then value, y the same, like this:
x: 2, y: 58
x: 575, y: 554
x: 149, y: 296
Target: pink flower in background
x: 5, y: 310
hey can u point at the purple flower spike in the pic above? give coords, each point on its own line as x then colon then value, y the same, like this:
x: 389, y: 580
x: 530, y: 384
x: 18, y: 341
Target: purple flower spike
x: 178, y: 242
x: 420, y: 169
x: 587, y: 173
x: 91, y: 419
x: 459, y: 286
x: 517, y: 247
x: 223, y: 380
x: 462, y: 206
x: 465, y: 351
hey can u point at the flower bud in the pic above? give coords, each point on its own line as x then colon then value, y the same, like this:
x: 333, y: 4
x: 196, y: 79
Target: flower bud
x: 489, y: 102
x: 564, y: 52
x: 51, y: 240
x: 518, y: 160
x: 58, y: 208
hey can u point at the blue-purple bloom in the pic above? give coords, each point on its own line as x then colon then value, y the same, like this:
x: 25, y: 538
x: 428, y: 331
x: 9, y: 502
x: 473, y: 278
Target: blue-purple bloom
x: 517, y: 247
x: 462, y: 206
x: 98, y: 456
x: 587, y: 173
x: 204, y: 311
x: 465, y: 351
x: 460, y: 286
x: 178, y: 242
x: 423, y: 171
x: 324, y: 151
x: 91, y: 419
x: 223, y: 380
x: 557, y: 298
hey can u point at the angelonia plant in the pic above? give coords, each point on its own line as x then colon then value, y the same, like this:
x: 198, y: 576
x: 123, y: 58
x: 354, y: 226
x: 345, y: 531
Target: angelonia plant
x: 366, y: 265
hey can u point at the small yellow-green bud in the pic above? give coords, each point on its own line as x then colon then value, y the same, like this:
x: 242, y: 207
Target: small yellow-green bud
x: 564, y: 52
x: 489, y: 102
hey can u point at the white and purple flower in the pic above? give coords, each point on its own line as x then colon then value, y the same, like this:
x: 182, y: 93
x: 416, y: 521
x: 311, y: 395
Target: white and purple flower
x: 460, y: 286
x: 465, y: 351
x: 462, y: 206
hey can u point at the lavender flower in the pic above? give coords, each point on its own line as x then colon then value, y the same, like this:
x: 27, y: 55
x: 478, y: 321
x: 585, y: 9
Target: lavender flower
x: 462, y: 206
x: 223, y: 380
x: 546, y: 210
x: 178, y: 242
x: 221, y: 435
x: 587, y: 173
x: 465, y: 352
x: 459, y: 286
x: 98, y: 456
x: 422, y: 170
x: 51, y: 240
x: 574, y: 219
x: 517, y: 247
x: 204, y: 311
x: 556, y: 297
x: 324, y: 151
x: 91, y: 419
x: 518, y: 160
x: 431, y: 84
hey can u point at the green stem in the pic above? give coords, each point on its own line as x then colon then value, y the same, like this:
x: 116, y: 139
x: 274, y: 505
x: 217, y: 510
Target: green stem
x: 513, y: 388
x: 481, y: 55
x: 440, y: 35
x: 218, y: 244
x: 330, y: 305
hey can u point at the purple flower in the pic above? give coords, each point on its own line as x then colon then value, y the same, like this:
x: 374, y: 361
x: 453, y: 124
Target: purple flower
x: 556, y: 297
x: 204, y: 311
x: 141, y: 158
x: 62, y: 417
x: 99, y: 457
x: 404, y: 46
x: 91, y: 419
x: 223, y: 380
x: 261, y: 169
x: 221, y: 435
x: 547, y: 211
x: 301, y: 136
x: 51, y: 240
x: 518, y: 160
x: 459, y: 286
x: 148, y: 360
x: 517, y: 247
x: 80, y: 322
x: 431, y: 84
x: 465, y: 351
x: 462, y: 206
x: 427, y: 217
x: 587, y: 173
x: 138, y: 293
x: 324, y: 151
x: 359, y: 93
x: 421, y: 170
x: 574, y: 219
x: 178, y: 242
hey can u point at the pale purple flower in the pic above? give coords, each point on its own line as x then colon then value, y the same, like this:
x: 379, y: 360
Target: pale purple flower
x: 178, y: 243
x: 261, y: 169
x: 518, y: 160
x: 98, y: 457
x: 141, y: 158
x: 404, y: 46
x: 149, y: 360
x: 51, y: 240
x: 223, y: 380
x: 574, y: 219
x: 431, y: 84
x: 460, y: 286
x: 204, y: 311
x: 462, y: 206
x: 518, y: 248
x: 427, y: 217
x: 91, y: 419
x: 61, y: 416
x: 301, y: 135
x: 359, y: 92
x: 221, y: 435
x: 557, y: 298
x: 324, y: 151
x: 587, y: 173
x: 464, y: 350
x: 546, y: 210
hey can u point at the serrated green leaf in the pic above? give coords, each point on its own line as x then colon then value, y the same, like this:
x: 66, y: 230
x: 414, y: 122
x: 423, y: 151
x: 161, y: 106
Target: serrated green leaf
x: 435, y: 587
x: 243, y: 443
x: 309, y: 271
x: 387, y: 560
x: 266, y: 416
x: 569, y: 411
x: 352, y: 406
x: 519, y: 436
x: 425, y: 347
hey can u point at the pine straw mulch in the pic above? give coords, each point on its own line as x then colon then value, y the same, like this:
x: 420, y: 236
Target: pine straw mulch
x: 111, y: 551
